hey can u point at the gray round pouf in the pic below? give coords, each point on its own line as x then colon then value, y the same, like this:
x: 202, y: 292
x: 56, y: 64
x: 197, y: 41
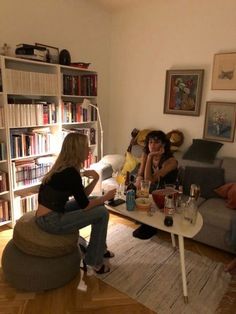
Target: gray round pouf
x: 35, y: 273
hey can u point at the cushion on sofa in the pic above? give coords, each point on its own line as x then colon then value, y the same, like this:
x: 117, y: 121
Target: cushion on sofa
x: 228, y: 191
x: 202, y: 150
x: 194, y: 163
x: 215, y: 213
x: 229, y: 164
x: 208, y: 178
x: 131, y: 163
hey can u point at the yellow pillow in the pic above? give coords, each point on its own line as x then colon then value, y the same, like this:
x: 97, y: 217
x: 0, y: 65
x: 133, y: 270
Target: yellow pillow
x: 130, y: 163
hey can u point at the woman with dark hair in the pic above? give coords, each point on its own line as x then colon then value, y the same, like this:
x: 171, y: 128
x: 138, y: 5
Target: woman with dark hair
x: 159, y: 166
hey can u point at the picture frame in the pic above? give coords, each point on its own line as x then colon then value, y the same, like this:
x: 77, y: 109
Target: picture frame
x: 224, y: 71
x: 183, y: 92
x: 53, y: 53
x: 220, y: 121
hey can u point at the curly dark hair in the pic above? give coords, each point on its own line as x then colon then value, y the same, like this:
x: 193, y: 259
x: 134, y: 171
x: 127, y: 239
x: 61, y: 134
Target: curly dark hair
x: 158, y: 136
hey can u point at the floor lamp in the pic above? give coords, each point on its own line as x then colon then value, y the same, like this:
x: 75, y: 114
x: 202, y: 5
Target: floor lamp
x: 86, y: 103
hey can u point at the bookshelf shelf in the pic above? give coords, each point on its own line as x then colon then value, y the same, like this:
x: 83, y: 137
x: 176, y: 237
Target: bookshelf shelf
x: 6, y: 222
x: 39, y: 104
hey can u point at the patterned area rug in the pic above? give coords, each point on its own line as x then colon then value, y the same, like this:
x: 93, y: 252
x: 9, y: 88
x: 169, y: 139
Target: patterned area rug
x: 149, y: 272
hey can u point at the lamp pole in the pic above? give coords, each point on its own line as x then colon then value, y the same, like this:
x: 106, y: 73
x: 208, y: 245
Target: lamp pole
x: 86, y: 102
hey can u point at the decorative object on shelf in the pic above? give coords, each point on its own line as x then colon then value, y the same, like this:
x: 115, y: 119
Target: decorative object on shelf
x: 31, y: 52
x: 5, y: 50
x: 224, y: 75
x: 86, y: 102
x: 183, y: 92
x: 82, y: 65
x: 220, y: 121
x: 52, y: 53
x: 64, y: 57
x: 176, y: 138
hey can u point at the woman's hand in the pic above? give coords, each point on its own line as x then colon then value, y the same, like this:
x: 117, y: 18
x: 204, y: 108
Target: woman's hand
x: 91, y: 174
x: 158, y: 153
x: 109, y: 195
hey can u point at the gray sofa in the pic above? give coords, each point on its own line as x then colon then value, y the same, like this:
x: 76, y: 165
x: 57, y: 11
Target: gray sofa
x: 219, y: 225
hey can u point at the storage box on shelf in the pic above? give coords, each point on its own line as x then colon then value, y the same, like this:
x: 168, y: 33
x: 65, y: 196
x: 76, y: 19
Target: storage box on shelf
x: 39, y: 104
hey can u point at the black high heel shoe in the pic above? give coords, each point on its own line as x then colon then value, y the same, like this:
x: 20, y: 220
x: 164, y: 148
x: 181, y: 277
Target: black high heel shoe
x: 102, y: 270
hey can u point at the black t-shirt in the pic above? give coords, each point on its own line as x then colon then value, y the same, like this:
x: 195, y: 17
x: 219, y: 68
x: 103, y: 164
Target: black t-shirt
x: 55, y: 193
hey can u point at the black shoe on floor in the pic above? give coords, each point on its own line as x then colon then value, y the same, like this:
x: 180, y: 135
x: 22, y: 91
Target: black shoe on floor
x: 144, y: 232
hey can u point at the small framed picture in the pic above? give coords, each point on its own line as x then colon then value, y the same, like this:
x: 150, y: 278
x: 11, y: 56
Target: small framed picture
x: 220, y: 121
x: 224, y: 71
x: 183, y: 92
x: 52, y: 53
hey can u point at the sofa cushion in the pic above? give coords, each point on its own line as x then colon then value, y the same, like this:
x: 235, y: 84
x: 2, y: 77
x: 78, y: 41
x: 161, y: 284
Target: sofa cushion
x: 229, y: 164
x: 194, y: 163
x: 208, y: 178
x: 215, y: 213
x: 131, y: 163
x: 228, y: 191
x: 202, y: 150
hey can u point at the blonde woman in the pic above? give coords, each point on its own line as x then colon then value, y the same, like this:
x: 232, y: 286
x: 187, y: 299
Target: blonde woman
x: 58, y: 215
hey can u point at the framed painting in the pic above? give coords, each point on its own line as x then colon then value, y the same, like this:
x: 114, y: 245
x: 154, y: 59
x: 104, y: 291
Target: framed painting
x: 220, y: 121
x: 224, y: 71
x: 183, y: 92
x: 52, y: 53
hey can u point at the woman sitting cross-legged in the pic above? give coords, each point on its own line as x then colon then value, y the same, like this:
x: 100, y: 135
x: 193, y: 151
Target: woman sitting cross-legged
x: 159, y: 166
x: 58, y: 214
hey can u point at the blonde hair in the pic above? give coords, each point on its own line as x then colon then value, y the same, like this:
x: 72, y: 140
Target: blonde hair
x: 73, y: 154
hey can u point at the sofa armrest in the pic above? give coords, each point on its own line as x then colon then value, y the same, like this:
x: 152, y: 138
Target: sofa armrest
x: 103, y: 169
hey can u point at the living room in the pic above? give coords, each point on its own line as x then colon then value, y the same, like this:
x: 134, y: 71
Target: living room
x: 131, y: 47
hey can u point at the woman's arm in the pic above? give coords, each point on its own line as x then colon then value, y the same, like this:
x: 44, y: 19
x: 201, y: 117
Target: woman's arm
x: 168, y: 165
x: 91, y: 174
x: 100, y: 200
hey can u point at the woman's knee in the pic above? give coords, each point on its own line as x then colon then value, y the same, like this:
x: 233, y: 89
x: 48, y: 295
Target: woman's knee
x: 103, y: 211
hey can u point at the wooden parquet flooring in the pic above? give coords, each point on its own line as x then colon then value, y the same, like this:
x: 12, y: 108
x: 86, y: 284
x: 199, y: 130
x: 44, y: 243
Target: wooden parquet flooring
x: 99, y: 298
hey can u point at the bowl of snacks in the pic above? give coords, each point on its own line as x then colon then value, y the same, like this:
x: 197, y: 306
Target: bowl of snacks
x: 159, y: 196
x: 143, y: 203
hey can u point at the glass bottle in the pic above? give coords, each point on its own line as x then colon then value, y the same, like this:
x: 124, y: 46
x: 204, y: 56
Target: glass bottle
x: 191, y: 209
x: 131, y: 185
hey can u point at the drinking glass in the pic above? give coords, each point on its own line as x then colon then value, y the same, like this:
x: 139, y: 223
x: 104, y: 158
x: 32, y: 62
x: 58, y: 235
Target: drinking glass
x: 144, y: 188
x: 120, y: 179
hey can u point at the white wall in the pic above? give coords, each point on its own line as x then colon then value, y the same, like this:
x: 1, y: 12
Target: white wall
x: 152, y: 37
x: 79, y: 26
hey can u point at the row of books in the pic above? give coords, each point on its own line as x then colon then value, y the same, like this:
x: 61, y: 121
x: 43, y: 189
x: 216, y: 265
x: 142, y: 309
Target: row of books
x: 91, y: 159
x: 2, y: 123
x: 3, y: 181
x: 81, y: 85
x: 25, y: 142
x: 25, y: 202
x: 33, y: 83
x: 77, y: 112
x: 90, y: 132
x: 30, y: 171
x: 32, y: 114
x: 5, y: 214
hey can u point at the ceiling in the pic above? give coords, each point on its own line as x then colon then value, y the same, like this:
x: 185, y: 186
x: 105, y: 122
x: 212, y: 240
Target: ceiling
x: 114, y: 5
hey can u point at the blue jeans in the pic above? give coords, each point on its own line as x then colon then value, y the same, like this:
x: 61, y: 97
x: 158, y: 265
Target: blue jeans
x: 74, y: 219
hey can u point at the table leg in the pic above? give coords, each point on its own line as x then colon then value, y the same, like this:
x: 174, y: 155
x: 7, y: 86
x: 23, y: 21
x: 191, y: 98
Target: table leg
x: 182, y: 264
x: 173, y: 240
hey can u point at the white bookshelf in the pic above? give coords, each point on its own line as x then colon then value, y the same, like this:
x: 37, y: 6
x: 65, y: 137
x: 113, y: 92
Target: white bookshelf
x: 34, y: 99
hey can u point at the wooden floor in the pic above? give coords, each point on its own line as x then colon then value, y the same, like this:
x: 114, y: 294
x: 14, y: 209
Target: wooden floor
x: 99, y: 297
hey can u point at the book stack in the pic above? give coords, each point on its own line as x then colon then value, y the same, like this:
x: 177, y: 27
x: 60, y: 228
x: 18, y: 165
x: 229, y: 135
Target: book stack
x: 31, y: 52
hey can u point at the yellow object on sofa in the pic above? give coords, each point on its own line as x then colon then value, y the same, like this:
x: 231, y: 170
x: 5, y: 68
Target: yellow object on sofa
x: 130, y: 163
